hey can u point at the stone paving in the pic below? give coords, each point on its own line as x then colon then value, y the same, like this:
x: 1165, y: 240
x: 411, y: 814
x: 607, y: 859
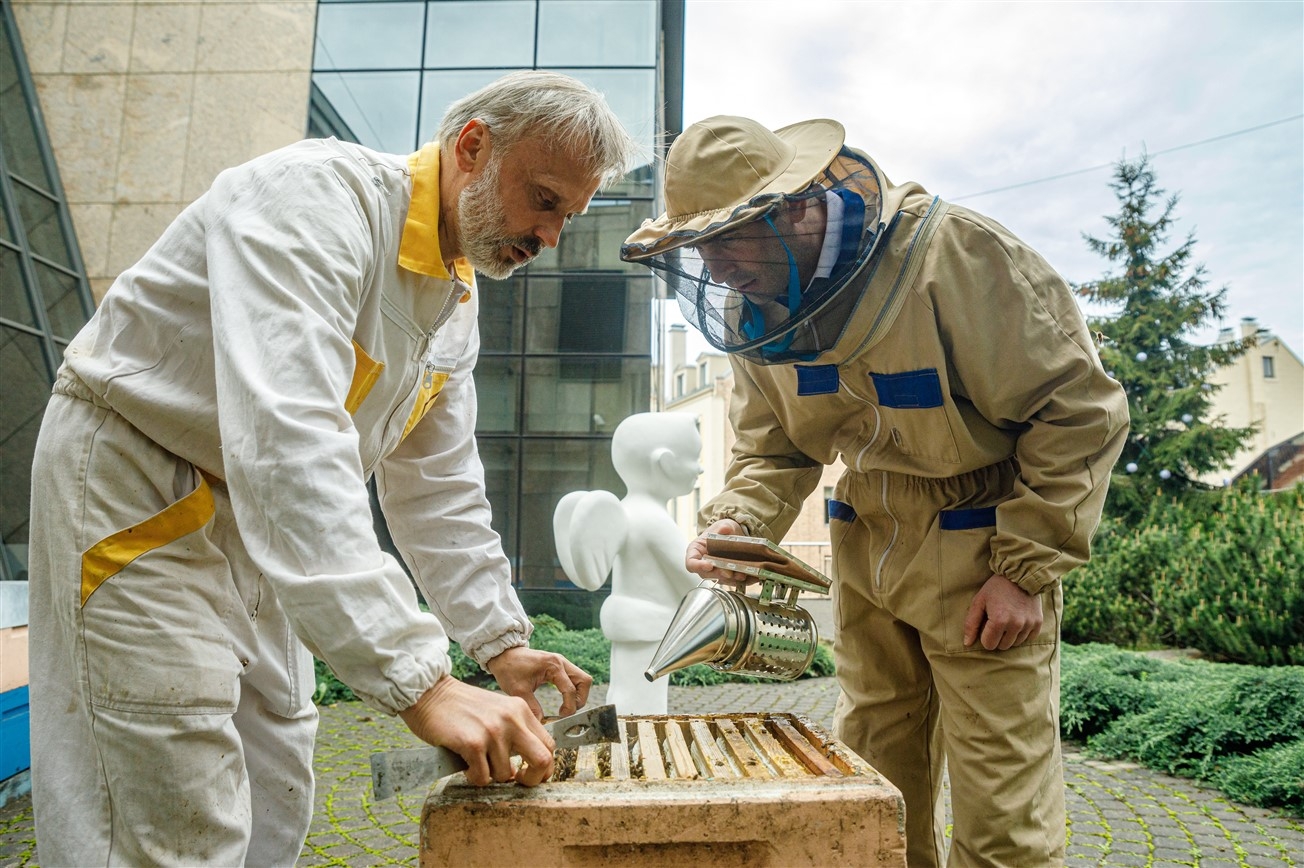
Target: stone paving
x: 1120, y: 815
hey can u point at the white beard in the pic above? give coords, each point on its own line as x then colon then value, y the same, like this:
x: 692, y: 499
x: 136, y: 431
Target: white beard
x: 482, y: 233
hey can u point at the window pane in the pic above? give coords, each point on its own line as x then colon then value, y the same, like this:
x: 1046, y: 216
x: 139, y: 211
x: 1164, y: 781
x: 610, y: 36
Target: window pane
x: 439, y: 90
x: 40, y: 216
x: 589, y: 313
x: 592, y: 241
x: 597, y: 32
x: 14, y: 304
x: 499, y: 457
x: 631, y: 93
x: 368, y: 36
x: 577, y: 314
x: 552, y: 469
x: 379, y: 107
x: 26, y: 390
x: 501, y: 303
x: 497, y: 384
x: 63, y: 300
x: 17, y: 137
x: 583, y: 394
x: 477, y: 33
x: 639, y: 183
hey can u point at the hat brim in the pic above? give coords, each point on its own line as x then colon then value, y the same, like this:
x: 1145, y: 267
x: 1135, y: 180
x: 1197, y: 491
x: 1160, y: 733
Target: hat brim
x: 816, y: 144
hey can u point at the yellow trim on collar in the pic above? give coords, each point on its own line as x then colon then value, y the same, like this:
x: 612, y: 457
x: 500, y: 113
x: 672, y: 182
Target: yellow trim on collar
x: 418, y: 249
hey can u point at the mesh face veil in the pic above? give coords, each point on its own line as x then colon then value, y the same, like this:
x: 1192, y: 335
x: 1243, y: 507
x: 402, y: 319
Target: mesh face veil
x: 774, y: 278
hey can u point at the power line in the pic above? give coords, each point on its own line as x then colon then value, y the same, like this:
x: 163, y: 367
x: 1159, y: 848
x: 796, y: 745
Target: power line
x: 1111, y: 165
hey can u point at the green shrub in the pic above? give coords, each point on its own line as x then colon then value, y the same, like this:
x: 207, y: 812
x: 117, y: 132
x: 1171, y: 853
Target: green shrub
x: 1100, y: 684
x: 1110, y: 597
x: 1222, y: 573
x: 1237, y: 591
x: 1271, y: 777
x: 1238, y: 727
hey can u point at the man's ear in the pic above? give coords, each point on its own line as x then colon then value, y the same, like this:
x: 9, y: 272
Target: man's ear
x: 472, y: 145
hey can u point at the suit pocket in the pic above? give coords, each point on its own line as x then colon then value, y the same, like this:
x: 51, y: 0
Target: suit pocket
x: 914, y: 414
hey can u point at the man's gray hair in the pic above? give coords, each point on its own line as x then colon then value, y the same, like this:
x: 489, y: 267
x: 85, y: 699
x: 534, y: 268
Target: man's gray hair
x: 566, y: 112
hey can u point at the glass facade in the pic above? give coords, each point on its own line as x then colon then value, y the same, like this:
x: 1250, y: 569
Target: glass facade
x: 566, y: 343
x: 44, y: 295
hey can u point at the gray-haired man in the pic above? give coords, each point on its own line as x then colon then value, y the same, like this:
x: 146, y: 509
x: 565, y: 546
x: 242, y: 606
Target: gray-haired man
x: 200, y: 512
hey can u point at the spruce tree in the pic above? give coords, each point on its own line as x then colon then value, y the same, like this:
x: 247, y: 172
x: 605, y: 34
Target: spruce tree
x: 1160, y: 300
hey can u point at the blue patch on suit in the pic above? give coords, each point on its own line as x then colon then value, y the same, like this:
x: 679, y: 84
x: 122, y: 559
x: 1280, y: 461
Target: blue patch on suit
x: 817, y: 379
x: 841, y: 511
x: 968, y: 519
x: 911, y: 390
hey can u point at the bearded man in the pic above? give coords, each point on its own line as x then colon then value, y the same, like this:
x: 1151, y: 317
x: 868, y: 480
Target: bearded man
x: 200, y: 516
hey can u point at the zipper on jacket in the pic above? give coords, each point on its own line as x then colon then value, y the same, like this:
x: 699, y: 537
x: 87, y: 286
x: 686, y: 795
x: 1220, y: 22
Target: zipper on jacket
x: 450, y: 301
x: 409, y: 396
x: 878, y: 421
x: 905, y: 269
x: 426, y: 370
x: 896, y: 528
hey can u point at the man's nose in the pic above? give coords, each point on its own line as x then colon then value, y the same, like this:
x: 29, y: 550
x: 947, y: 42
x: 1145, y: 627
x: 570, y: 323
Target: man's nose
x: 720, y: 268
x: 549, y: 232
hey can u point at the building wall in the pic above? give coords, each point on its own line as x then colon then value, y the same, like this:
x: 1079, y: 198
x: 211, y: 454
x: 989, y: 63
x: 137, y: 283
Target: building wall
x: 145, y: 102
x: 1249, y: 396
x: 703, y: 387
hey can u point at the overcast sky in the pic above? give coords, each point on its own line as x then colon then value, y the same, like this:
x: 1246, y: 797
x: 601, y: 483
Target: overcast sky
x: 970, y: 97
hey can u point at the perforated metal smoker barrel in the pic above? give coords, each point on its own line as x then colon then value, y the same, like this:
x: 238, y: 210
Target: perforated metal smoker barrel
x: 778, y: 641
x: 733, y: 632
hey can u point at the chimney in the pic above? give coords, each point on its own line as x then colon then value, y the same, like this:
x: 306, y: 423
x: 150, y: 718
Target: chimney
x: 678, y: 346
x: 1249, y: 326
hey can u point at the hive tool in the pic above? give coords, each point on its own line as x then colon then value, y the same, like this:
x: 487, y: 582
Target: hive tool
x: 405, y: 770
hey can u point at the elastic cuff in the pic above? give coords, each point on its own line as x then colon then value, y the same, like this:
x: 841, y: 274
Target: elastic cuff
x: 1033, y: 581
x: 751, y: 525
x: 399, y: 698
x: 482, y: 654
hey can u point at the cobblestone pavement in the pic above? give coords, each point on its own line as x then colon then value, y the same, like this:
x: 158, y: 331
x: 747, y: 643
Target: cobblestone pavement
x: 1120, y: 815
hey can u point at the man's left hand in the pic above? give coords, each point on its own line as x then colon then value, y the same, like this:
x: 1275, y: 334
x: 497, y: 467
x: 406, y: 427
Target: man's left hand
x: 1003, y: 615
x: 522, y: 670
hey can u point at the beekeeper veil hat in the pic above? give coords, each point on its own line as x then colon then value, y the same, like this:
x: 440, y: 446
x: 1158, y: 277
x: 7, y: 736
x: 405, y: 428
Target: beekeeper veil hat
x: 728, y: 182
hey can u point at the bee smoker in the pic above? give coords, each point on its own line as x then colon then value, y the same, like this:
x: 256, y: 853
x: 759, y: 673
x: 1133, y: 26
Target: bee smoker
x: 768, y: 636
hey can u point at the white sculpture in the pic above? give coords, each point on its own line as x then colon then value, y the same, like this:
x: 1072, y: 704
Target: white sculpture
x: 637, y: 542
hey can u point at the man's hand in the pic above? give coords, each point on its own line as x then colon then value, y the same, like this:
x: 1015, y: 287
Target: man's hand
x: 522, y: 670
x: 695, y: 558
x: 1003, y: 615
x: 486, y: 729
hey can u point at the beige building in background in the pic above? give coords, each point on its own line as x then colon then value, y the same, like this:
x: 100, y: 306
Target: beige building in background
x: 703, y: 387
x: 145, y: 102
x: 1264, y: 387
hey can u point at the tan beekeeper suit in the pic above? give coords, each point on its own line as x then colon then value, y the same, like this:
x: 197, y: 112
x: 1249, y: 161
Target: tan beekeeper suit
x: 968, y: 403
x: 979, y: 431
x: 282, y: 342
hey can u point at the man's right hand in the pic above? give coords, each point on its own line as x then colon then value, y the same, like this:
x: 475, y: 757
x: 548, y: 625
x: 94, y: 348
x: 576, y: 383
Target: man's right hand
x: 486, y: 729
x: 695, y: 559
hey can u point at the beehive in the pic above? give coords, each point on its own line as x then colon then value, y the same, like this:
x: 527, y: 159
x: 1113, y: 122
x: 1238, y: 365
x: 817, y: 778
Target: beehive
x: 719, y: 790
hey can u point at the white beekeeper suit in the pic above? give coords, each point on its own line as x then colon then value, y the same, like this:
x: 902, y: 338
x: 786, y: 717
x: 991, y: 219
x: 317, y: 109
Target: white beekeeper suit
x: 206, y: 451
